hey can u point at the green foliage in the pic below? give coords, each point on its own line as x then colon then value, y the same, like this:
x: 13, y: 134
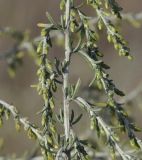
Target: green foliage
x: 75, y: 24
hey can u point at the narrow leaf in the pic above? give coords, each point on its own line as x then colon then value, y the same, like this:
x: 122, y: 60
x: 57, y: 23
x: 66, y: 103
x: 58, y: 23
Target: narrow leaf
x: 76, y: 88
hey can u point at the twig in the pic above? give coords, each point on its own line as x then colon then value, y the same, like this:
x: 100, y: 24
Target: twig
x: 109, y: 133
x: 23, y: 121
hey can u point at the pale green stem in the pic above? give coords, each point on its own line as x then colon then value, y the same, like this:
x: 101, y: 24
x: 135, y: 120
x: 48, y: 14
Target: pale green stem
x: 66, y: 70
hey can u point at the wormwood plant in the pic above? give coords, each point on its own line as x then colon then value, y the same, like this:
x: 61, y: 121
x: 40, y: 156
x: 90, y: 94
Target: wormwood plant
x: 80, y: 37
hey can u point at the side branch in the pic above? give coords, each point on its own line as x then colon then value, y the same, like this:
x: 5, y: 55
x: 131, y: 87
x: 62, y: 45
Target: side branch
x: 27, y: 125
x: 111, y: 138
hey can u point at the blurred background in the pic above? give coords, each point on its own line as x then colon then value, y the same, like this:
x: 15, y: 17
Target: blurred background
x: 24, y: 15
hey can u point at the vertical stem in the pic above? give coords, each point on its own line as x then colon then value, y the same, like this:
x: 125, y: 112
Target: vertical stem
x: 66, y: 70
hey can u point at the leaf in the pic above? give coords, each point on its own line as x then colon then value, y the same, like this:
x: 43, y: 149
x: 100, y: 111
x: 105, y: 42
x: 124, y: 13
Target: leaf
x: 71, y: 90
x: 76, y: 88
x: 43, y: 25
x: 105, y: 66
x: 62, y: 21
x: 88, y: 59
x: 101, y: 104
x: 79, y: 45
x: 48, y: 40
x: 97, y: 127
x: 54, y: 86
x: 81, y: 102
x: 64, y: 65
x: 83, y: 15
x: 72, y: 117
x: 91, y: 83
x: 57, y: 65
x: 118, y: 92
x: 50, y: 18
x: 60, y: 117
x: 92, y: 123
x: 77, y: 119
x: 51, y: 102
x: 40, y: 47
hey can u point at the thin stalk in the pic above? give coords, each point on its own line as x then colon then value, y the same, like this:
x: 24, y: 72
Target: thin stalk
x: 23, y: 120
x: 66, y: 70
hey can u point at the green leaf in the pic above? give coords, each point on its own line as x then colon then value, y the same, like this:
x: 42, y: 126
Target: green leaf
x: 57, y: 65
x: 91, y: 83
x: 79, y: 44
x: 118, y: 92
x: 72, y: 117
x: 76, y: 88
x: 50, y: 18
x: 77, y: 119
x: 88, y: 59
